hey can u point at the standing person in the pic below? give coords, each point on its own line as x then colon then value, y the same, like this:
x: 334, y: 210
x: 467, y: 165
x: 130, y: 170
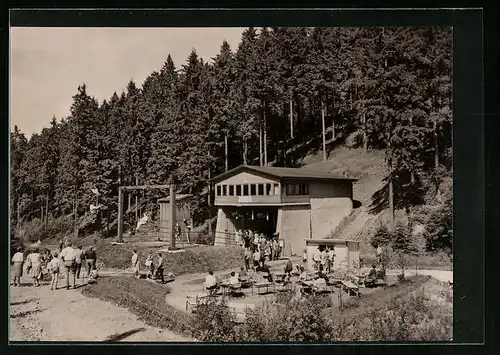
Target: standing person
x: 150, y: 265
x: 61, y: 244
x: 248, y: 258
x: 78, y: 261
x: 280, y: 248
x: 159, y: 270
x: 324, y: 258
x: 18, y: 260
x: 135, y: 263
x: 35, y: 260
x: 317, y: 258
x: 256, y: 259
x: 275, y: 249
x: 304, y: 256
x: 54, y: 267
x: 69, y: 259
x: 331, y: 258
x: 90, y: 259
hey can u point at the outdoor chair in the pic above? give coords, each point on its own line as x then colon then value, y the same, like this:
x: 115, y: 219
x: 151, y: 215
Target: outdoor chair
x: 193, y: 301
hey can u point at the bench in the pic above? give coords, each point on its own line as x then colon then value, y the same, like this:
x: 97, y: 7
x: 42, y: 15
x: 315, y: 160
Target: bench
x: 240, y: 310
x: 262, y: 285
x: 350, y: 288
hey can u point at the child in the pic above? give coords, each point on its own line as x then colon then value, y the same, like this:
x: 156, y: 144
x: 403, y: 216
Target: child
x: 53, y: 268
x: 150, y: 265
x: 304, y: 256
x: 93, y: 276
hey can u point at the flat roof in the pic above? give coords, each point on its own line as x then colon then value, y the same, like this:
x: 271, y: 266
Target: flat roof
x: 329, y: 241
x: 283, y: 173
x: 178, y: 197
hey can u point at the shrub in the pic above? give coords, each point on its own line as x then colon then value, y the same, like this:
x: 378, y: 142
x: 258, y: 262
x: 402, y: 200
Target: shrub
x: 214, y: 321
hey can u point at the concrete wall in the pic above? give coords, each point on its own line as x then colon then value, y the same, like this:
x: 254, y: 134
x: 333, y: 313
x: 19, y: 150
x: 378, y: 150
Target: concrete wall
x: 341, y: 257
x: 327, y: 213
x: 295, y: 227
x: 353, y: 254
x: 224, y: 226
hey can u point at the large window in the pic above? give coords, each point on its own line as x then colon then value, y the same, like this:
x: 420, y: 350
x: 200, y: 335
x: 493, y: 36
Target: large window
x: 297, y: 189
x: 231, y: 190
x: 238, y: 190
x: 268, y: 189
x: 253, y: 190
x: 245, y: 190
x: 224, y: 190
x: 218, y: 190
x: 260, y: 189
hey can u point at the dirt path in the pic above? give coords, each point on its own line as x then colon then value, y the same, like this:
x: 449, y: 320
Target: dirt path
x: 39, y: 314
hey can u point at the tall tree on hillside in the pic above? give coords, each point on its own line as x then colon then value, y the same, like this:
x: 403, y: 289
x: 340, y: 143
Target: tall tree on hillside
x: 18, y: 146
x: 223, y: 101
x: 248, y: 105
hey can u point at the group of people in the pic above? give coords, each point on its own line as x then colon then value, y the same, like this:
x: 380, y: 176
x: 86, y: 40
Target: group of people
x: 260, y: 249
x: 67, y: 260
x: 154, y: 271
x: 248, y: 239
x: 323, y: 258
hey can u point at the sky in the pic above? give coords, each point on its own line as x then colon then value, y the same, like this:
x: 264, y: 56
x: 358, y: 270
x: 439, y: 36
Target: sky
x: 48, y: 64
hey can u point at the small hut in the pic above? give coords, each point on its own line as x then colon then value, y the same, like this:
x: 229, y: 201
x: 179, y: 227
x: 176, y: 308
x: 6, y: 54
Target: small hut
x: 346, y: 252
x: 182, y: 214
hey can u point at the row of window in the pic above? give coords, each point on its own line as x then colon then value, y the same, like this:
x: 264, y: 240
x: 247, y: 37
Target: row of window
x: 261, y: 190
x: 248, y: 190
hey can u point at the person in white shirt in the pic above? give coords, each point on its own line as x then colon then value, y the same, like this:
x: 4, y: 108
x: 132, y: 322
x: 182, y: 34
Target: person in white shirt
x: 135, y: 263
x: 78, y: 261
x: 18, y: 260
x: 34, y: 262
x: 68, y: 257
x: 234, y: 279
x: 317, y: 259
x: 54, y: 267
x: 210, y: 281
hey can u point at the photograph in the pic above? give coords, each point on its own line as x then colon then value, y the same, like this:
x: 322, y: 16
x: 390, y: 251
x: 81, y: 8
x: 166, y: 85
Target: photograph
x: 231, y: 184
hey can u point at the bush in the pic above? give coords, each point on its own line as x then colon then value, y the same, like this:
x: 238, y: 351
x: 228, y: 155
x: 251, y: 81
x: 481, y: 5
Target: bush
x: 214, y: 321
x: 404, y: 317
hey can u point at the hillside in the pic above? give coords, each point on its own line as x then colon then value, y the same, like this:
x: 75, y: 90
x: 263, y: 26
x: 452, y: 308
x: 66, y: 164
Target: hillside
x: 368, y: 167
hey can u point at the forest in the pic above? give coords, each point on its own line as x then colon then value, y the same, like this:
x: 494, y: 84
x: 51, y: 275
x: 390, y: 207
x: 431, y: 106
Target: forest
x: 282, y: 93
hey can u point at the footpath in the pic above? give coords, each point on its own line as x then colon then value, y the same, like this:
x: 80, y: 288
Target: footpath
x: 39, y: 314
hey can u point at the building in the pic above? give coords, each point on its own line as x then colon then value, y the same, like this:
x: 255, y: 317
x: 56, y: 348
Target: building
x: 346, y: 252
x: 292, y: 204
x: 182, y: 212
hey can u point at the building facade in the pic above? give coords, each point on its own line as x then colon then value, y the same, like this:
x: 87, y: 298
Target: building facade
x: 289, y: 203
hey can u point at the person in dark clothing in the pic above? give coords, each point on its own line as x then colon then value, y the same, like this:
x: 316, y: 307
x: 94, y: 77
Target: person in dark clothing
x: 159, y: 270
x: 90, y: 259
x: 288, y: 267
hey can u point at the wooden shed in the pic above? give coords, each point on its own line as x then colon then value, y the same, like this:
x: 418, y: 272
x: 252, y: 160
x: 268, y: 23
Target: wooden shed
x: 182, y: 212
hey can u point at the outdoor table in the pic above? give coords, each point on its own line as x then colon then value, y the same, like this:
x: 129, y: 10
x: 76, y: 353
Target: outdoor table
x: 260, y: 285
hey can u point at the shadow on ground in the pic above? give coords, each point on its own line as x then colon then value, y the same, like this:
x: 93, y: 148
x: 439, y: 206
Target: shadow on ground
x: 25, y: 314
x: 23, y: 302
x: 124, y: 335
